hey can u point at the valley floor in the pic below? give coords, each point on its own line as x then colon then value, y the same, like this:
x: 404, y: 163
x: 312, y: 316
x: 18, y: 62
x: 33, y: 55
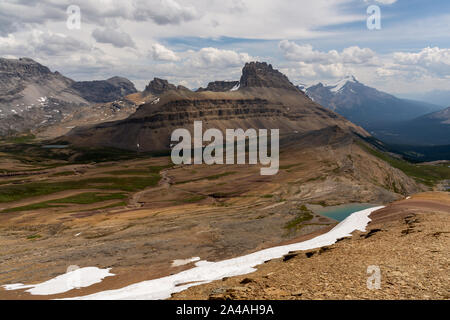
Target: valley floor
x: 136, y: 215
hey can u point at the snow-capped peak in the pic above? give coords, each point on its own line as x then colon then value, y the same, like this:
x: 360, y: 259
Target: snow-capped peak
x: 341, y: 83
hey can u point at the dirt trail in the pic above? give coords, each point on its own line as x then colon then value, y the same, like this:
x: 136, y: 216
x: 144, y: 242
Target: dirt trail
x: 164, y: 183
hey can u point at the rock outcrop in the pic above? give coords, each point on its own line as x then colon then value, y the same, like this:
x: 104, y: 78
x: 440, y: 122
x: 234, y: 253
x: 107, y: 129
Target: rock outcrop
x: 104, y: 90
x: 220, y: 86
x: 261, y: 74
x: 158, y: 86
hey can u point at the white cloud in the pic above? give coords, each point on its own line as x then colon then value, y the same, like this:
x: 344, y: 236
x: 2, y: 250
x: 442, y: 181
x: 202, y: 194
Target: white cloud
x: 161, y: 53
x: 306, y: 53
x: 425, y: 69
x: 164, y: 11
x: 207, y: 18
x: 385, y: 72
x: 126, y: 38
x: 357, y: 55
x: 117, y: 38
x: 217, y: 58
x: 382, y: 1
x: 39, y: 43
x: 432, y: 60
x: 309, y: 64
x: 17, y: 14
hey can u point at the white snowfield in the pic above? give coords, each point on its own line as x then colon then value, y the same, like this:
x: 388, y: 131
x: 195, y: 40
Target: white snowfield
x: 79, y: 278
x: 205, y: 271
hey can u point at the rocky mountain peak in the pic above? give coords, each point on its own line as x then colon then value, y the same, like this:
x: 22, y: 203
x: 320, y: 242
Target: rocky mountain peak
x: 22, y: 68
x: 261, y: 74
x: 100, y: 91
x: 342, y: 83
x: 158, y: 86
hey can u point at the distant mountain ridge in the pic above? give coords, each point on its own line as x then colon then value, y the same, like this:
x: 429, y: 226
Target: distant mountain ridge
x: 364, y: 105
x: 429, y: 129
x: 442, y: 117
x: 439, y: 97
x: 32, y: 96
x: 104, y: 90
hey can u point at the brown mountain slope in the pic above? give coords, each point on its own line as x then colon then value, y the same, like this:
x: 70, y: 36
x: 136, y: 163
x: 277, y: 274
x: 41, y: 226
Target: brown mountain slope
x: 93, y: 114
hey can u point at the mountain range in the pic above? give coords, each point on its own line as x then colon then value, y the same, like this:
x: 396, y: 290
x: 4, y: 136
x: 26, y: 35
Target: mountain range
x: 312, y: 138
x: 265, y: 99
x: 388, y: 118
x: 32, y: 96
x: 366, y: 106
x: 34, y: 99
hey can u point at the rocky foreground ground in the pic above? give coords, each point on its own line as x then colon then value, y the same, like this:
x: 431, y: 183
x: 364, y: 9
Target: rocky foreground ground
x: 408, y: 240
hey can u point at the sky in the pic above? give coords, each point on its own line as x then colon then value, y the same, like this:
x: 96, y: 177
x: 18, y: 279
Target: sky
x: 193, y: 42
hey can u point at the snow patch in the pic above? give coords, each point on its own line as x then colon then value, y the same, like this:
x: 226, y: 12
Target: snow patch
x: 75, y: 279
x: 236, y: 87
x: 205, y: 271
x: 341, y: 83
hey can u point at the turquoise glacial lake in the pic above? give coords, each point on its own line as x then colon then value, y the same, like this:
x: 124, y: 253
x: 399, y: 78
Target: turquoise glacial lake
x: 341, y: 212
